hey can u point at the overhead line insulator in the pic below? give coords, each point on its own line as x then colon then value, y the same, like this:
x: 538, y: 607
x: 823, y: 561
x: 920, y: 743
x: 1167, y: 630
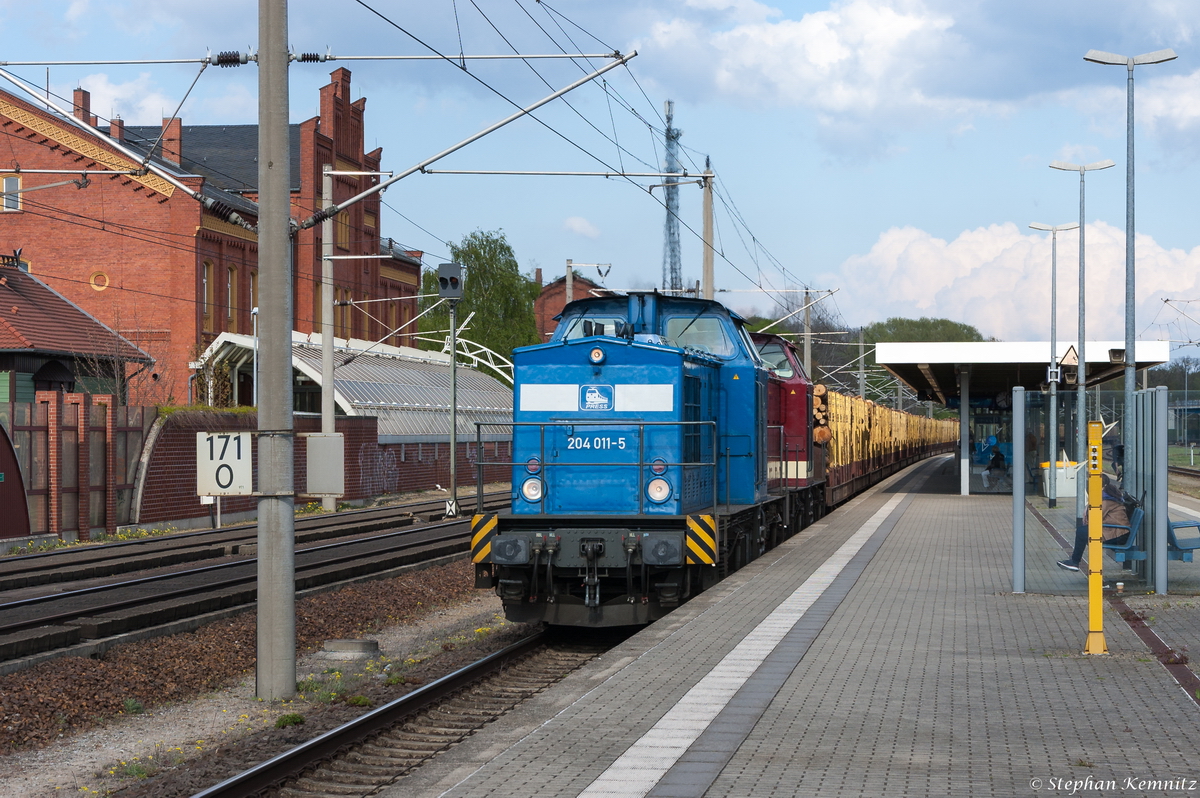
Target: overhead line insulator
x: 231, y: 58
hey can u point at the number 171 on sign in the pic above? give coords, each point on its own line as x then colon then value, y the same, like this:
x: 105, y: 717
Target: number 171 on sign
x: 224, y: 466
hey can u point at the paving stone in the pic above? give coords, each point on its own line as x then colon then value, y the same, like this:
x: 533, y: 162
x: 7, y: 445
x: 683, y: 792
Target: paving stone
x: 923, y: 675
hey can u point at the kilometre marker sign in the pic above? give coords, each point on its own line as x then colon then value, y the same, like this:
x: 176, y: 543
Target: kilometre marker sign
x: 223, y: 464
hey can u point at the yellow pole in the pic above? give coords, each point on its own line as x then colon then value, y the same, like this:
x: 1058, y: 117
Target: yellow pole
x: 1095, y: 487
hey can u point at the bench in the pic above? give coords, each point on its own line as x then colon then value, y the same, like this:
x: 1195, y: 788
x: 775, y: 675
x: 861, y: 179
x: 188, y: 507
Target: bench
x: 1121, y: 552
x: 1181, y: 549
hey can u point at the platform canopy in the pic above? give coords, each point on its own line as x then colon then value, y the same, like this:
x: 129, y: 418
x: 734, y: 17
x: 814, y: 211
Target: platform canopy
x: 407, y: 389
x: 932, y: 368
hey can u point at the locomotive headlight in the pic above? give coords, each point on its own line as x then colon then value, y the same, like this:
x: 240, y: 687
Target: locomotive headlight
x: 659, y: 466
x: 596, y: 355
x: 531, y: 489
x: 533, y: 465
x: 659, y: 490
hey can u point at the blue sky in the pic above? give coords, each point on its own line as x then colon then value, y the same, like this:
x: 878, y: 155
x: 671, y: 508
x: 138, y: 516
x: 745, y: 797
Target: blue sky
x: 893, y: 149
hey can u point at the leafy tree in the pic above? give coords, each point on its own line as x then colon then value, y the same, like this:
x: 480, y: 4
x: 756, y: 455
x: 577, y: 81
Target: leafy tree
x: 1173, y: 375
x: 922, y: 329
x: 493, y: 288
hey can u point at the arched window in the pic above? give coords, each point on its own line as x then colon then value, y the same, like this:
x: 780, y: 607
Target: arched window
x: 207, y: 294
x: 231, y: 303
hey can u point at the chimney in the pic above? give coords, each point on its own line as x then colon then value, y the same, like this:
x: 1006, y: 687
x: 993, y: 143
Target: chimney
x: 83, y: 106
x: 537, y: 275
x: 116, y: 129
x: 172, y: 143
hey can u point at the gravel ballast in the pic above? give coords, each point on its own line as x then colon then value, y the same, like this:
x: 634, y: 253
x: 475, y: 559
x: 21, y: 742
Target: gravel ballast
x: 171, y: 715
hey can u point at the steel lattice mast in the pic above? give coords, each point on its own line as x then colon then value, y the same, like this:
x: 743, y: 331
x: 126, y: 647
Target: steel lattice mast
x: 672, y: 276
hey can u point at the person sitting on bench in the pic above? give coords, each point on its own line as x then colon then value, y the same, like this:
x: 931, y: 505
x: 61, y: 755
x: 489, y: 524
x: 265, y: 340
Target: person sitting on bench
x: 995, y: 465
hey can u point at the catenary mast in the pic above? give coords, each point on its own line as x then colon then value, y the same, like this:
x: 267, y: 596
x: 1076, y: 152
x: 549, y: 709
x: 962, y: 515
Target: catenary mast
x: 672, y: 277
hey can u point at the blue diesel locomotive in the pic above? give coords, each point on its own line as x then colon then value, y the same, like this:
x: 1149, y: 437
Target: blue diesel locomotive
x: 640, y: 476
x: 657, y: 447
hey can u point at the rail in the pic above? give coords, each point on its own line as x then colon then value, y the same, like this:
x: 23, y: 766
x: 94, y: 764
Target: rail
x: 290, y: 764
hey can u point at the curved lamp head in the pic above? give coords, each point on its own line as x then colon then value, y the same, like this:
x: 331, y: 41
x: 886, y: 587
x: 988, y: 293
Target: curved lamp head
x: 1156, y: 57
x: 1074, y: 167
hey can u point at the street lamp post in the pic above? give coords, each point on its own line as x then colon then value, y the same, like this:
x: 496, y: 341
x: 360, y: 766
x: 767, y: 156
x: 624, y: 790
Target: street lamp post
x: 1157, y: 57
x: 1081, y: 380
x: 1052, y: 375
x: 1186, y: 371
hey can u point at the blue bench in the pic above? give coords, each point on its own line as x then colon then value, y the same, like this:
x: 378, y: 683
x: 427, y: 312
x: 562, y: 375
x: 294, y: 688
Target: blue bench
x: 1128, y: 550
x: 1181, y: 549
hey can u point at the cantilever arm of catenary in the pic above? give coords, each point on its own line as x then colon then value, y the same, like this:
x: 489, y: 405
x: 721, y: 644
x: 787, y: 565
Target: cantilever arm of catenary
x: 332, y: 210
x: 798, y: 310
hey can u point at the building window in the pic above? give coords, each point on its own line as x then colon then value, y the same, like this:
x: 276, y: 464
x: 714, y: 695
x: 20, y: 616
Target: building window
x: 12, y: 201
x: 98, y: 281
x: 206, y: 292
x: 342, y: 224
x: 231, y: 308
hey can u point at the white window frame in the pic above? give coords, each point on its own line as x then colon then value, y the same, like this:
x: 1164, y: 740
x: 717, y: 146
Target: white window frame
x: 12, y: 201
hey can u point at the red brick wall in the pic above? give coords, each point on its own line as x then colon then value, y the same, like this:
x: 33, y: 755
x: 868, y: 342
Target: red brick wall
x: 553, y: 299
x: 142, y: 241
x: 151, y: 247
x: 371, y: 469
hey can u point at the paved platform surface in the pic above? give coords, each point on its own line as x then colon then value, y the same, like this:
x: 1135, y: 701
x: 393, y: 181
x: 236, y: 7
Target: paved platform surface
x: 877, y: 653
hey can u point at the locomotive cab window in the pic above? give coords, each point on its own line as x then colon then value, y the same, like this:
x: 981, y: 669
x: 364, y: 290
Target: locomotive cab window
x: 585, y: 326
x: 776, y: 359
x: 706, y: 333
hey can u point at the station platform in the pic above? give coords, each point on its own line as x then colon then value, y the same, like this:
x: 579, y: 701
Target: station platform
x: 879, y: 652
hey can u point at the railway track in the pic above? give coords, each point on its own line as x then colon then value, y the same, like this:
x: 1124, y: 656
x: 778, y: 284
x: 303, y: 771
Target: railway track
x: 387, y: 743
x: 113, y: 559
x: 95, y: 617
x: 1184, y: 471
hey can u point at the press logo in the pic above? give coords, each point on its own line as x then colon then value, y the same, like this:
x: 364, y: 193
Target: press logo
x: 595, y: 397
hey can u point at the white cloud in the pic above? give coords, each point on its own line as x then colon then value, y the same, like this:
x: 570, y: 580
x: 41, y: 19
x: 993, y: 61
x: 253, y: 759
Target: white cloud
x: 581, y: 226
x: 865, y: 67
x: 739, y: 9
x: 137, y: 102
x: 997, y: 278
x: 76, y: 10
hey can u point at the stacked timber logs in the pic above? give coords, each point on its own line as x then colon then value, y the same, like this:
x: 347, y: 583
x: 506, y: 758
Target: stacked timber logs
x: 821, y: 433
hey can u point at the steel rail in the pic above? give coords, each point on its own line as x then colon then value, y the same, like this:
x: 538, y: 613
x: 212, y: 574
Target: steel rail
x: 210, y: 586
x: 292, y: 764
x: 308, y: 523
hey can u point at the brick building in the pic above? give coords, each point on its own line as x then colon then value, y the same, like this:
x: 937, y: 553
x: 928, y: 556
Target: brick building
x: 169, y: 274
x: 553, y: 299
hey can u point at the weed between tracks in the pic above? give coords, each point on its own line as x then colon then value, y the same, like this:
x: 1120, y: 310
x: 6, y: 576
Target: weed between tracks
x: 334, y: 696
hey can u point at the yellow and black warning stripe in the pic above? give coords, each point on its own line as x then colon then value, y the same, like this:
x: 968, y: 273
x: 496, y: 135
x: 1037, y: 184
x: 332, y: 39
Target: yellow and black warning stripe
x: 483, y: 529
x: 701, y: 540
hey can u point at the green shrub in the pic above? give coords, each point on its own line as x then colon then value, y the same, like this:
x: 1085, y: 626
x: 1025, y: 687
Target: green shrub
x: 290, y: 719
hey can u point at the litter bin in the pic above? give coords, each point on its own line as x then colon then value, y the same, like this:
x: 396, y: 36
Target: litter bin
x: 1064, y: 483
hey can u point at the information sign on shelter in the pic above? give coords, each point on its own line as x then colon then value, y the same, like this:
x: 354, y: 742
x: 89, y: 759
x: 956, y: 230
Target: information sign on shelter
x: 224, y: 464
